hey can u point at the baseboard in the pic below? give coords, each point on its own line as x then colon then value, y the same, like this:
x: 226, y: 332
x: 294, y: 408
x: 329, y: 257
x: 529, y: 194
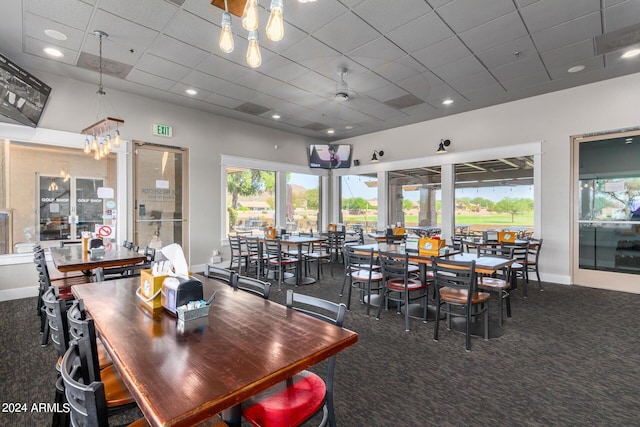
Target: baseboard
x: 18, y: 293
x: 552, y: 278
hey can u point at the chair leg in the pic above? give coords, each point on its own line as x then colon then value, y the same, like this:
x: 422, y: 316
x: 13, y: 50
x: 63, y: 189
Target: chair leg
x: 486, y: 322
x: 435, y: 329
x: 468, y: 331
x: 349, y: 293
x: 507, y: 298
x: 382, y: 299
x: 406, y: 311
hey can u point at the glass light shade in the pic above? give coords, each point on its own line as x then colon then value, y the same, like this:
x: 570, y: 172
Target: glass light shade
x: 94, y: 143
x: 254, y: 59
x: 275, y: 26
x: 87, y: 146
x: 116, y: 138
x: 96, y: 154
x: 226, y: 37
x: 250, y: 15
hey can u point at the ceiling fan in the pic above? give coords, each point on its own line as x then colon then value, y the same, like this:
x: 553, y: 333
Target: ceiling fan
x: 343, y: 93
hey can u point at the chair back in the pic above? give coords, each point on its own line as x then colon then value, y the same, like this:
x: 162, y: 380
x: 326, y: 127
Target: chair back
x: 394, y: 266
x: 87, y: 401
x: 273, y: 249
x: 359, y: 260
x: 319, y: 308
x: 102, y: 274
x: 222, y: 274
x: 82, y: 330
x: 127, y: 244
x: 55, y: 310
x: 534, y: 249
x: 455, y: 274
x: 252, y: 285
x: 254, y: 248
x: 336, y: 241
x: 150, y: 253
x: 235, y: 243
x: 520, y: 251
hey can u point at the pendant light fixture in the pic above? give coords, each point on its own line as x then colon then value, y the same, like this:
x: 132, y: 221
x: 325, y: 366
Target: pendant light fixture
x: 275, y: 25
x: 254, y: 59
x: 99, y: 138
x: 226, y: 36
x: 250, y: 15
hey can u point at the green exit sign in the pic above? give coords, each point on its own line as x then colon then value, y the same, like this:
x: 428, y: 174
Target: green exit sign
x: 163, y: 130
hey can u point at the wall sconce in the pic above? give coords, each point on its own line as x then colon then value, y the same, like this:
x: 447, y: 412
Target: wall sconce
x: 441, y: 148
x: 376, y: 153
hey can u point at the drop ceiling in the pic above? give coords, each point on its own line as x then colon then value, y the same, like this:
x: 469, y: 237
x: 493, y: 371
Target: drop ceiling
x: 403, y: 58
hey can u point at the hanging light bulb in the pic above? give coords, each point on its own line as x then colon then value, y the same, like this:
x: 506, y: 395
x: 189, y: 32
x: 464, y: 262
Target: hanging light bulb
x: 250, y: 15
x: 254, y: 59
x: 94, y: 142
x: 226, y: 37
x: 116, y: 138
x: 275, y: 25
x: 87, y: 146
x: 96, y: 154
x: 109, y: 145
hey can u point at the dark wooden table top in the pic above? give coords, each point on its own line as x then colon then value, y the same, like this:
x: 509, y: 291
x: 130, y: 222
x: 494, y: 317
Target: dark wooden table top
x: 71, y: 258
x: 182, y: 374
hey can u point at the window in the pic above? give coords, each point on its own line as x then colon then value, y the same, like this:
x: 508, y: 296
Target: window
x: 303, y: 202
x: 250, y: 199
x: 414, y: 198
x: 359, y: 201
x: 493, y: 195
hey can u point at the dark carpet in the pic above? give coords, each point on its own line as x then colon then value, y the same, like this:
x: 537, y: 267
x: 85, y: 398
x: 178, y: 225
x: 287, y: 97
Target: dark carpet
x: 569, y: 356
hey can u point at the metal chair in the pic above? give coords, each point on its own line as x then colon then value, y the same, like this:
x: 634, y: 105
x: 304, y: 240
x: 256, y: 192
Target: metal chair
x: 101, y: 274
x: 252, y: 285
x: 294, y: 401
x: 499, y: 283
x: 239, y: 256
x: 519, y: 268
x: 277, y: 262
x: 361, y: 271
x: 457, y: 290
x: 398, y: 287
x: 535, y: 245
x: 222, y: 274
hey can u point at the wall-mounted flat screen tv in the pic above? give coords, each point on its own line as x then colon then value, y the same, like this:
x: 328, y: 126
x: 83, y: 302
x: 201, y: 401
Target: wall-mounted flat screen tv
x: 329, y: 156
x: 22, y: 96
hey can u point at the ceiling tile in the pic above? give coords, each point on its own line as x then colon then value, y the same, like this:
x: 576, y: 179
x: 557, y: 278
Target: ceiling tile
x: 568, y: 54
x: 346, y: 33
x: 269, y: 101
x: 222, y: 68
x: 282, y: 68
x: 180, y: 88
x: 67, y: 12
x: 505, y: 53
x: 207, y: 11
x: 139, y: 11
x: 259, y: 82
x: 161, y: 67
x: 123, y: 36
x: 523, y: 3
x: 189, y: 29
x: 591, y: 64
x: 621, y: 15
x: 385, y: 93
x: 201, y: 80
x: 518, y: 68
x: 365, y: 81
x: 150, y: 80
x: 462, y: 15
x: 485, y: 94
x: 223, y: 101
x: 571, y: 32
x: 182, y: 53
x: 233, y: 90
x: 494, y: 33
x: 442, y: 53
x: 310, y: 52
x: 315, y: 83
x: 385, y: 15
x: 35, y: 47
x: 292, y: 35
x: 400, y: 69
x: 375, y: 53
x: 417, y: 85
x: 459, y: 68
x: 310, y: 17
x: 421, y: 32
x: 440, y: 92
x: 35, y: 25
x: 549, y: 13
x: 525, y: 82
x: 473, y: 82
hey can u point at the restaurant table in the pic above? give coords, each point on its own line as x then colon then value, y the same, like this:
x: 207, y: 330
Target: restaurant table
x: 181, y: 373
x: 382, y: 237
x: 423, y: 231
x: 71, y: 258
x: 299, y: 241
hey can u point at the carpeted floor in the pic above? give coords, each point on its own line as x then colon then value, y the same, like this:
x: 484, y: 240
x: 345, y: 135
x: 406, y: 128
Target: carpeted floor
x: 569, y: 356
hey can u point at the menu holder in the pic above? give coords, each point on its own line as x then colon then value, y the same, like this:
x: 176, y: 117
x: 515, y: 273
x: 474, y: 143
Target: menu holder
x: 270, y: 232
x: 428, y: 246
x: 398, y: 231
x: 150, y: 289
x: 332, y: 227
x: 506, y: 236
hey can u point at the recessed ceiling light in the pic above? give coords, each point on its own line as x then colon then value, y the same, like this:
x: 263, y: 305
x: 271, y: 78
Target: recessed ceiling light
x: 55, y: 34
x: 576, y: 69
x: 275, y: 116
x: 53, y: 52
x: 447, y: 102
x: 348, y: 127
x: 331, y: 131
x: 631, y: 53
x: 191, y: 91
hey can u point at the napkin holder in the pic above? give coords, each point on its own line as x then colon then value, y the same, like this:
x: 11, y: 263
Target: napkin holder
x: 428, y: 246
x: 177, y: 291
x: 506, y: 236
x: 150, y: 289
x: 270, y: 232
x: 332, y: 227
x: 398, y: 231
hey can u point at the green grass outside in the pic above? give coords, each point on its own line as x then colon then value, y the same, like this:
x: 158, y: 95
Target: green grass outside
x: 493, y: 219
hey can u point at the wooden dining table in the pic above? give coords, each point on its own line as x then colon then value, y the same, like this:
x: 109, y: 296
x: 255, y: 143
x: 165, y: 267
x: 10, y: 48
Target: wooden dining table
x: 181, y: 373
x: 72, y: 258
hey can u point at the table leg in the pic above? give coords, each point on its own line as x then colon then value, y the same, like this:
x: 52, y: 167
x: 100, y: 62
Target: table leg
x: 299, y: 279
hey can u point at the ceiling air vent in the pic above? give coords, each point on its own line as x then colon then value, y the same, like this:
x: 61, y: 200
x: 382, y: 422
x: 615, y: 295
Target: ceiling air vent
x: 109, y: 67
x: 404, y: 102
x: 251, y: 108
x: 618, y: 39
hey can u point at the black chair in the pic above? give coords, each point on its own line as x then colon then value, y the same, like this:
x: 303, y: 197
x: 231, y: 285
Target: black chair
x: 239, y: 256
x: 257, y: 259
x: 222, y: 274
x: 500, y: 282
x: 398, y: 287
x: 457, y: 290
x: 277, y: 262
x: 535, y: 245
x: 101, y: 274
x: 294, y: 401
x: 520, y: 252
x: 252, y: 285
x: 360, y: 272
x: 318, y: 253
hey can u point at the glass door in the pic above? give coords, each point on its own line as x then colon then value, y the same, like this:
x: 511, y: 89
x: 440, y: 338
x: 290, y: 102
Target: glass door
x: 54, y: 208
x: 161, y: 191
x: 606, y: 232
x: 89, y: 208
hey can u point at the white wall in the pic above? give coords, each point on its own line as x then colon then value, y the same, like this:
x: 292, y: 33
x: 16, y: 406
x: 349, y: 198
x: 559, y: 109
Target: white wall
x: 552, y: 118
